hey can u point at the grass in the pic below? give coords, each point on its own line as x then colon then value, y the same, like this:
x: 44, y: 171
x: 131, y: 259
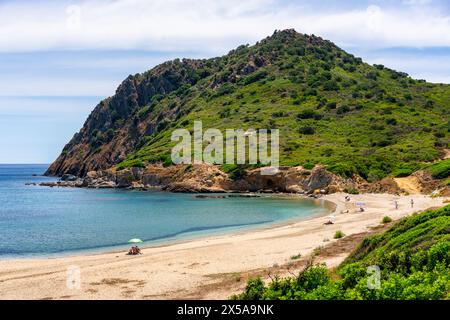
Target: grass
x: 339, y: 234
x: 386, y: 219
x: 440, y: 169
x: 317, y: 251
x: 296, y: 257
x: 446, y: 182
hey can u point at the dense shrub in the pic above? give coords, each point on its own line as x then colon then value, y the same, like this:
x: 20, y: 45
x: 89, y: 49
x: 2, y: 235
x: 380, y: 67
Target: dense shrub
x: 343, y: 169
x: 402, y: 172
x: 235, y: 171
x: 441, y: 169
x: 308, y: 130
x: 339, y: 234
x: 225, y: 89
x: 137, y: 163
x: 413, y: 257
x: 309, y: 114
x: 308, y: 166
x: 343, y: 109
x: 255, y: 77
x: 386, y: 219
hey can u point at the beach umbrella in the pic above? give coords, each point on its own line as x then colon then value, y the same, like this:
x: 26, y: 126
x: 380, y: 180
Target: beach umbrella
x: 135, y: 240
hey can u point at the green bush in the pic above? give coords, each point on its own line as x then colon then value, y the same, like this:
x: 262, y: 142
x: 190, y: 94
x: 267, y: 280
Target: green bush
x: 339, y: 234
x: 296, y: 257
x: 441, y: 169
x: 308, y: 130
x: 166, y: 160
x: 346, y: 170
x: 343, y: 109
x: 402, y: 172
x: 413, y: 257
x: 235, y: 171
x: 351, y: 190
x: 309, y: 166
x: 255, y: 77
x: 309, y: 114
x: 386, y: 219
x: 136, y: 163
x: 375, y: 175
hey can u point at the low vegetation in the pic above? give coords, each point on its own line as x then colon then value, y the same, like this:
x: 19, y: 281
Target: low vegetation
x: 440, y: 169
x: 296, y: 256
x: 413, y: 259
x: 386, y: 219
x: 339, y: 234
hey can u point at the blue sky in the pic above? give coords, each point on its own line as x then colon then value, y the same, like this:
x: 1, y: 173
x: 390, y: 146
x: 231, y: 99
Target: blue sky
x: 58, y: 59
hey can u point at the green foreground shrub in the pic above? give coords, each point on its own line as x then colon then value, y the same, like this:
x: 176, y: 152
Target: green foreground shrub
x: 413, y: 257
x: 441, y: 169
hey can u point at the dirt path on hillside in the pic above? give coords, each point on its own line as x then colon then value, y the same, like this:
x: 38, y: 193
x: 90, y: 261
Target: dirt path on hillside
x: 409, y: 184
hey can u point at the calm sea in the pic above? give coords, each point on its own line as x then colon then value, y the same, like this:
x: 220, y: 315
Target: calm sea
x: 37, y: 221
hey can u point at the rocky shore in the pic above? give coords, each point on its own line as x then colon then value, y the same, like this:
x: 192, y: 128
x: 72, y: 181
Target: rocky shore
x: 204, y: 178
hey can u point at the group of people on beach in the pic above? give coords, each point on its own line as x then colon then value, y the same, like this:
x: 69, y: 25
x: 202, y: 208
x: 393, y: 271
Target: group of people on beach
x: 361, y: 209
x: 134, y: 251
x: 411, y: 202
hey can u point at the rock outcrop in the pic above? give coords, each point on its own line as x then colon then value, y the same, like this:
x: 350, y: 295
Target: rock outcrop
x: 205, y: 178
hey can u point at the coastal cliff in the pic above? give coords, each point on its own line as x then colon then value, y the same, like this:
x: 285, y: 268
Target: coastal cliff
x: 359, y: 122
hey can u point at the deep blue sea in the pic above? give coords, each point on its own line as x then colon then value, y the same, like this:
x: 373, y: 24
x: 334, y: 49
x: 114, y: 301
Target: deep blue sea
x: 36, y: 221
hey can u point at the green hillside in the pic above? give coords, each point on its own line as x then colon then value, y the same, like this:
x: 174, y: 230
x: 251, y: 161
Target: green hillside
x: 413, y: 257
x: 331, y: 108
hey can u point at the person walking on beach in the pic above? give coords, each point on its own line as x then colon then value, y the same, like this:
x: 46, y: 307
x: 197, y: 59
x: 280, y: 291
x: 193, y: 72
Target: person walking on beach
x: 412, y: 203
x: 396, y: 204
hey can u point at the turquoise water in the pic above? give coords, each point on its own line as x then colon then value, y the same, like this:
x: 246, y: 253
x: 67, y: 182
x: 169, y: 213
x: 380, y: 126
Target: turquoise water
x: 38, y: 220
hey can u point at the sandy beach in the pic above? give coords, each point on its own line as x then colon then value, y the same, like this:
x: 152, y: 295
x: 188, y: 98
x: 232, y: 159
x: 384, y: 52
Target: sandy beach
x: 212, y: 267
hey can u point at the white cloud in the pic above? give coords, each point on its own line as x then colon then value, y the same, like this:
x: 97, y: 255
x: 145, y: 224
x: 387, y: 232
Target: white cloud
x: 432, y: 68
x: 416, y: 2
x: 208, y: 26
x: 57, y: 86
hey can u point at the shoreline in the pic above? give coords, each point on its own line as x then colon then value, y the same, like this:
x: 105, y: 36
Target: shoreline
x: 165, y: 242
x: 179, y: 269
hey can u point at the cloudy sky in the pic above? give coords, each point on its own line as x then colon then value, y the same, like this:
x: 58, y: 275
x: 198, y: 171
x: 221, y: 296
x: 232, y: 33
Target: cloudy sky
x: 59, y: 58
